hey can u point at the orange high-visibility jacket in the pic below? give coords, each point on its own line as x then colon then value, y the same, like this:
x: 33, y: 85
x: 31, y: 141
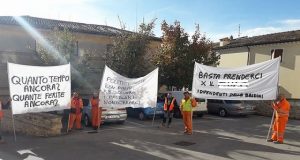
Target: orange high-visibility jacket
x: 77, y: 104
x: 1, y: 112
x: 94, y: 102
x: 171, y: 104
x: 282, y: 108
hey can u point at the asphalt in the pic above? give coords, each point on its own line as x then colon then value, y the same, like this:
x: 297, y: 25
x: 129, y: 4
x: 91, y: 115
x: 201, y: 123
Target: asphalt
x: 213, y: 138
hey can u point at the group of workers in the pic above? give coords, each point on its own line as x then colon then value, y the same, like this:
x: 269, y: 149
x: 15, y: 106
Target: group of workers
x: 77, y: 108
x: 186, y: 107
x: 281, y: 108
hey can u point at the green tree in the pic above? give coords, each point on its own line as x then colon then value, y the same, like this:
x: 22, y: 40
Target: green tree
x: 60, y: 48
x: 200, y: 51
x: 127, y: 54
x: 177, y: 55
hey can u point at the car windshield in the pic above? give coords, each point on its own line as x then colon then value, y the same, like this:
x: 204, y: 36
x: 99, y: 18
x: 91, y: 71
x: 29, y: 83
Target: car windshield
x: 200, y: 100
x: 233, y: 101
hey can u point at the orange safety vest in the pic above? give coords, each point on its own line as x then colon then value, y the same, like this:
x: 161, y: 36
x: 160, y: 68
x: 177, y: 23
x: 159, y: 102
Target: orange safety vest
x: 77, y: 104
x: 94, y: 102
x: 171, y: 105
x: 1, y: 112
x: 282, y: 108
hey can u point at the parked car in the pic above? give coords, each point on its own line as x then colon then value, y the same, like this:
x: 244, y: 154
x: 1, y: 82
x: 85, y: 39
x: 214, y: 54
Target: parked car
x: 112, y: 114
x: 229, y: 107
x: 143, y: 113
x: 199, y: 110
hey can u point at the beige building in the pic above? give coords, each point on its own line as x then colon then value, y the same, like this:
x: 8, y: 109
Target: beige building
x: 250, y: 50
x: 18, y: 46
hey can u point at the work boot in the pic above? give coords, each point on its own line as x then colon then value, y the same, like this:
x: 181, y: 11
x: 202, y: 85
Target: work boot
x: 270, y: 140
x: 278, y: 142
x: 96, y: 129
x: 163, y: 125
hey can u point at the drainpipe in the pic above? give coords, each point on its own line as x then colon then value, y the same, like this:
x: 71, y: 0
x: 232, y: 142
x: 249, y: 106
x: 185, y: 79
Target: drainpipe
x: 248, y: 60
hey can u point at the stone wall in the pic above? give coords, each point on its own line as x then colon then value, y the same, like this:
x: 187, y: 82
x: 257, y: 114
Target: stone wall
x: 264, y: 108
x: 35, y: 124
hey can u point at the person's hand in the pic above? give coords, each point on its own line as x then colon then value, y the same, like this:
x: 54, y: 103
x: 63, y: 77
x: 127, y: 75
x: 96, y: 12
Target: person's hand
x: 272, y: 104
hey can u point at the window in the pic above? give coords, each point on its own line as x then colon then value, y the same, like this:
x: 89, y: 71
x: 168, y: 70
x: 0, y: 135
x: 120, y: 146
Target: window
x: 199, y: 100
x: 276, y: 53
x: 109, y: 47
x: 215, y: 101
x: 76, y: 49
x: 233, y: 101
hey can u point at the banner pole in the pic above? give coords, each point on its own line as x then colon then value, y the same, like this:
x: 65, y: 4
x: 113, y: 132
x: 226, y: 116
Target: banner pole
x: 68, y: 123
x: 154, y: 115
x: 192, y: 120
x: 277, y: 93
x: 12, y: 115
x: 99, y: 117
x: 13, y: 123
x: 272, y: 121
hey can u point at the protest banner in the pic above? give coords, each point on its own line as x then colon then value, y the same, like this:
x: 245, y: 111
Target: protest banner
x: 39, y: 88
x: 254, y: 82
x: 119, y: 91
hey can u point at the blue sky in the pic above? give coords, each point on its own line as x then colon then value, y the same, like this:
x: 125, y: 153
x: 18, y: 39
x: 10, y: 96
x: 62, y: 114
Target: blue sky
x: 217, y: 18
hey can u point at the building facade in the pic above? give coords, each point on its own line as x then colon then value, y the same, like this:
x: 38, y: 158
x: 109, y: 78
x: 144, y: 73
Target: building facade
x: 250, y: 50
x: 19, y: 45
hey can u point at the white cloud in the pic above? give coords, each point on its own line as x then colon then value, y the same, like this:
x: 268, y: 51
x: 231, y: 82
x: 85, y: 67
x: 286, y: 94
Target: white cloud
x: 249, y: 32
x: 261, y: 31
x: 277, y: 26
x: 291, y: 22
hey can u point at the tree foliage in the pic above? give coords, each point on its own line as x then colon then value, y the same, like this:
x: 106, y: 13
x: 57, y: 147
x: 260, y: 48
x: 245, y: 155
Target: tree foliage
x: 60, y: 48
x: 127, y: 55
x: 177, y: 55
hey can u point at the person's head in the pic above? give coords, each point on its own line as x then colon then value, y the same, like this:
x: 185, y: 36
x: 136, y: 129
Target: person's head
x: 75, y: 94
x: 280, y: 97
x: 186, y: 94
x: 169, y: 95
x: 95, y: 94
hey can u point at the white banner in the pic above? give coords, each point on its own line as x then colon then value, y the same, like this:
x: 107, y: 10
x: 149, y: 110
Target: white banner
x: 254, y: 82
x: 118, y: 91
x: 39, y: 89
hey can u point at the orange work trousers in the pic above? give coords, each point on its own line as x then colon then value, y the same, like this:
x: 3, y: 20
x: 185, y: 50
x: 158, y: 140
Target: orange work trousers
x: 96, y: 116
x: 187, y: 120
x: 279, y: 128
x: 75, y: 118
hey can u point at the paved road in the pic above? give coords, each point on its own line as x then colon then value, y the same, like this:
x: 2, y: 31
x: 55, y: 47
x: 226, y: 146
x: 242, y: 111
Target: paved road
x: 214, y: 138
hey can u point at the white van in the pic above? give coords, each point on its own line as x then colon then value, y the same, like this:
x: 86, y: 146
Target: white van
x: 198, y: 111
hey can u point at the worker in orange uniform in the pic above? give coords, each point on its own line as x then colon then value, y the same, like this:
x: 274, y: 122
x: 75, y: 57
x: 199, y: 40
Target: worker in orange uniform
x: 282, y: 110
x: 96, y: 111
x: 186, y: 108
x: 76, y: 112
x: 3, y: 106
x: 170, y: 103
